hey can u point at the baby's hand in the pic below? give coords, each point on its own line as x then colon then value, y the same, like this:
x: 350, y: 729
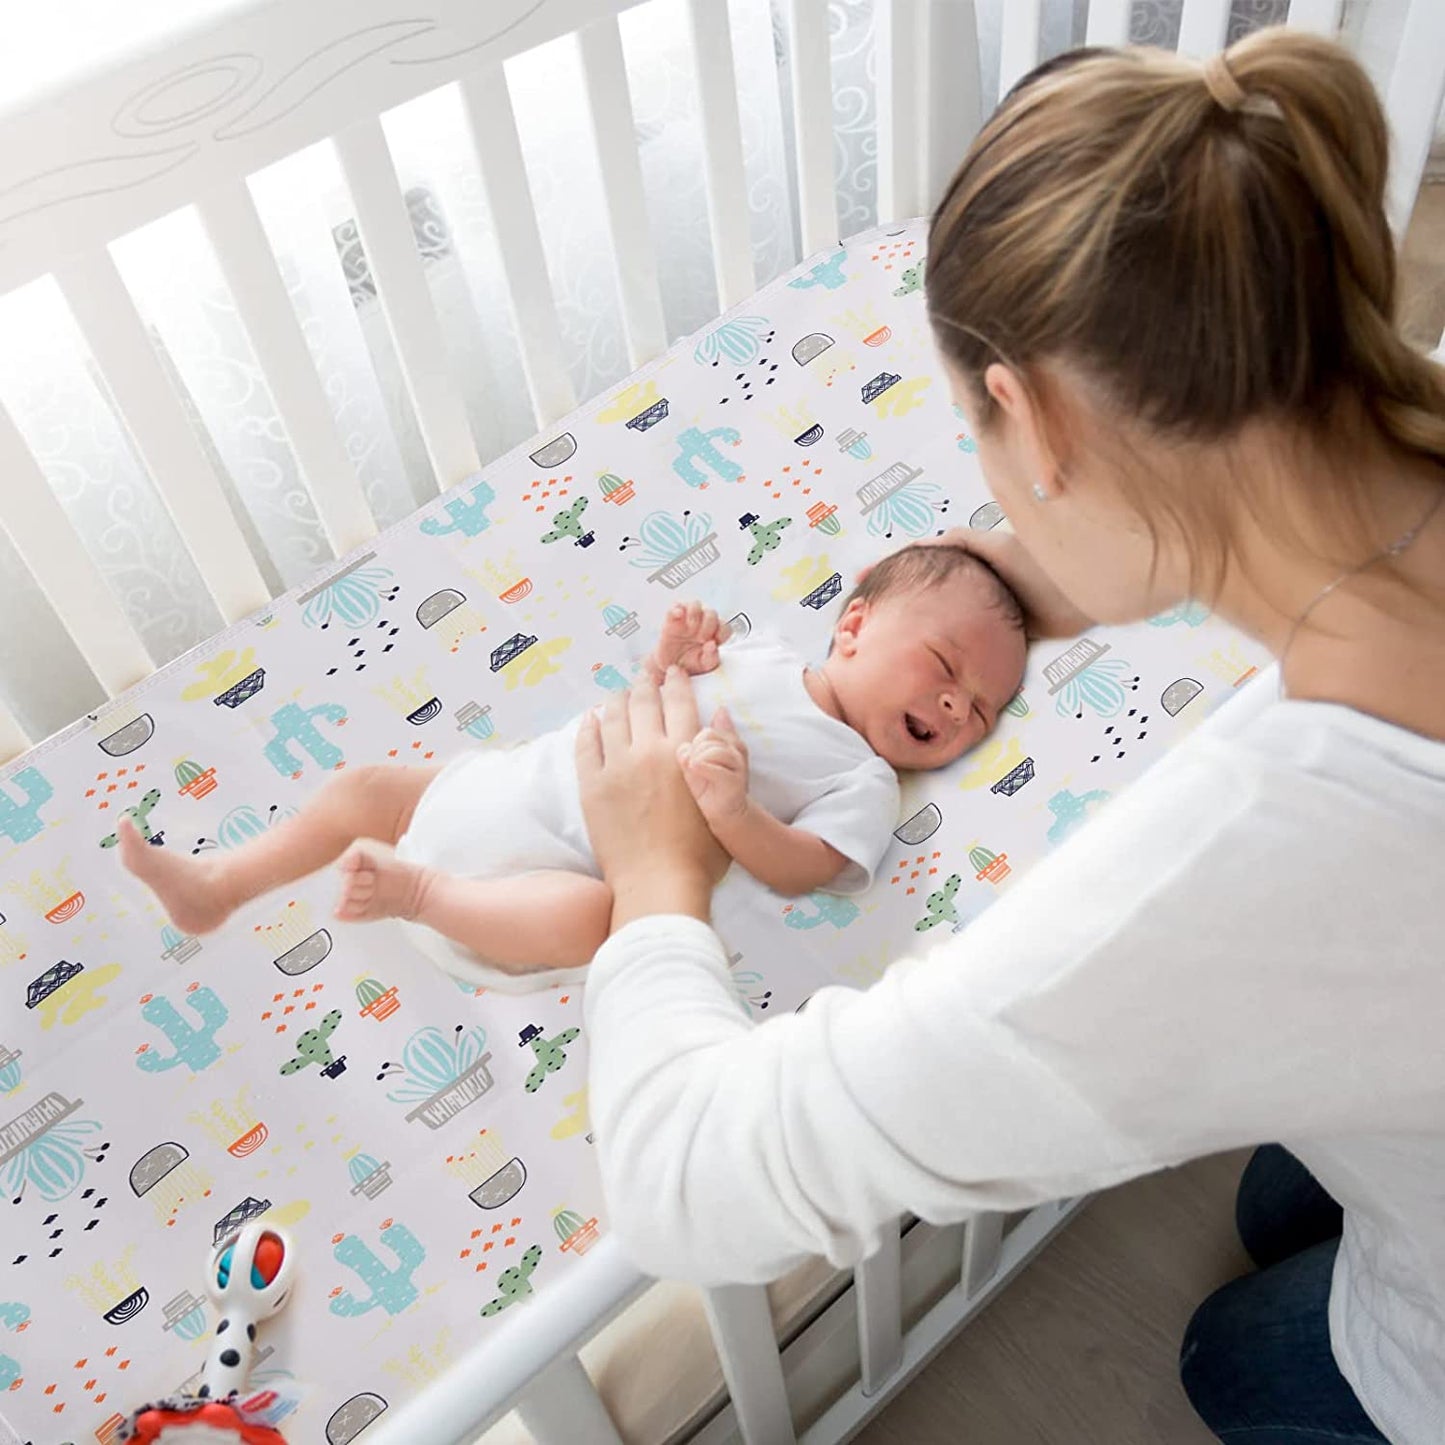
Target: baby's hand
x: 691, y: 636
x: 715, y: 764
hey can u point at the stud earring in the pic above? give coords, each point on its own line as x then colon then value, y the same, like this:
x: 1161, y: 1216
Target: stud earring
x: 1039, y: 494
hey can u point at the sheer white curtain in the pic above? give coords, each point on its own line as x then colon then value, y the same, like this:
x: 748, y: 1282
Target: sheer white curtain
x: 57, y: 401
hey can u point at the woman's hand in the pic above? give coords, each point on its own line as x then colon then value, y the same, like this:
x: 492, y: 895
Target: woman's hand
x: 1047, y: 612
x: 652, y: 843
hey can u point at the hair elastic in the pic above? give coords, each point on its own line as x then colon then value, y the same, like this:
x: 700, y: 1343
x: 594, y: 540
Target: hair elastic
x: 1219, y: 81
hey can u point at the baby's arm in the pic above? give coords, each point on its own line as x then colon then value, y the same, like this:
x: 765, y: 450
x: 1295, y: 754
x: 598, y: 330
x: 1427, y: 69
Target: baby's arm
x: 791, y: 861
x: 691, y: 636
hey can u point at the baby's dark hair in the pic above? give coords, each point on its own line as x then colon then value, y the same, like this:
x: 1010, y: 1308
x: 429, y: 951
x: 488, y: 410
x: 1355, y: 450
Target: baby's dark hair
x: 917, y: 568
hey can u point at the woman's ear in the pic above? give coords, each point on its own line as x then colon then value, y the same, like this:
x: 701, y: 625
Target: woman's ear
x: 848, y: 626
x: 1024, y: 427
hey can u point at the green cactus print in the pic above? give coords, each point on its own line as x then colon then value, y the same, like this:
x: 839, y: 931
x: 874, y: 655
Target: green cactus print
x: 550, y: 1054
x: 141, y: 813
x: 312, y: 1048
x: 515, y: 1283
x: 567, y: 522
x: 940, y: 906
x: 912, y: 281
x: 766, y: 536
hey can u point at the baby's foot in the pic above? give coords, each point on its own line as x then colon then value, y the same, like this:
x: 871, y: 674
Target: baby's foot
x: 375, y: 883
x: 187, y: 888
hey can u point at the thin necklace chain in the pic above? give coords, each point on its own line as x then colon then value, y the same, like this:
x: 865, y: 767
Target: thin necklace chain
x: 1393, y: 550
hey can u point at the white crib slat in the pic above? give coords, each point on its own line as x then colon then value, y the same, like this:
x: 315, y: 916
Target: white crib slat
x: 604, y: 72
x: 742, y: 1331
x: 722, y: 144
x: 157, y: 422
x: 879, y: 1282
x: 401, y: 286
x: 239, y: 241
x: 41, y: 533
x: 1202, y: 27
x: 811, y: 72
x: 487, y: 103
x: 1321, y: 16
x: 13, y: 739
x: 1108, y: 22
x: 561, y: 1407
x: 899, y: 42
x: 982, y: 1247
x: 1412, y: 103
x: 955, y: 91
x: 1019, y: 43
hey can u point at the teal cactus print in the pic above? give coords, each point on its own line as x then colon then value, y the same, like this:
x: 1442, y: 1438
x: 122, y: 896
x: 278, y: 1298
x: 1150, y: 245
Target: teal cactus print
x: 468, y: 518
x: 21, y: 821
x: 391, y: 1287
x: 432, y: 1061
x: 53, y: 1163
x: 912, y: 509
x: 293, y: 724
x: 1103, y: 688
x: 1070, y: 810
x: 739, y: 340
x: 827, y: 273
x: 1191, y: 614
x: 194, y: 1045
x: 697, y: 446
x: 515, y: 1283
x: 820, y: 908
x: 353, y: 599
x: 663, y: 538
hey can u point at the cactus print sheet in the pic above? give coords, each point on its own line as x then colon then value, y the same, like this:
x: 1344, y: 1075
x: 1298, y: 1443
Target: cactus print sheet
x: 428, y: 1144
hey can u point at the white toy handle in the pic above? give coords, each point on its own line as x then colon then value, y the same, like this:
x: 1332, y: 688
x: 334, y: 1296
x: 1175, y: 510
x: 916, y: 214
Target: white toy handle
x: 249, y: 1279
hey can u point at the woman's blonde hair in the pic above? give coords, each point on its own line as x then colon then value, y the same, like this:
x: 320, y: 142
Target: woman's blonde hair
x: 1207, y: 247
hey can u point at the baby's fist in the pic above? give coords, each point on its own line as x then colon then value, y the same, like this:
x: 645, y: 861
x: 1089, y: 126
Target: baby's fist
x: 715, y: 764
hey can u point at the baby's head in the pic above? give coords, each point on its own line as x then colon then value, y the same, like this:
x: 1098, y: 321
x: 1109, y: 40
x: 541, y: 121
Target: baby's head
x: 928, y: 650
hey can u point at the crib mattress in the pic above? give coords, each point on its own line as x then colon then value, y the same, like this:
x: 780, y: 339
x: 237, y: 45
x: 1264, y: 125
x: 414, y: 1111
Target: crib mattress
x: 428, y: 1144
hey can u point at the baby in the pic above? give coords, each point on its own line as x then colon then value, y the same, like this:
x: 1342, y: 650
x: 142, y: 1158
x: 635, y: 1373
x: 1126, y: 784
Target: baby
x: 490, y: 860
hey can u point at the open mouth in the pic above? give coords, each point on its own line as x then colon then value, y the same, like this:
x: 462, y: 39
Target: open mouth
x: 918, y: 730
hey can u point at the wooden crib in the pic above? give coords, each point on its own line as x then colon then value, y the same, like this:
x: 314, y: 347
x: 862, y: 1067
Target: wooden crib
x: 183, y: 124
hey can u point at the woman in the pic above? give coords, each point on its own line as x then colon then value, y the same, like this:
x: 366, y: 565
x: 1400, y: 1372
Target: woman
x: 1164, y: 298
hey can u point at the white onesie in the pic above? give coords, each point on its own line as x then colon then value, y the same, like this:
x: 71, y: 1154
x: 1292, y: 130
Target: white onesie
x: 497, y: 812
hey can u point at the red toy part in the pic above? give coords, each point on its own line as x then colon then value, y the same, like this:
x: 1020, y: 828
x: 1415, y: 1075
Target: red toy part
x: 159, y: 1423
x: 269, y: 1254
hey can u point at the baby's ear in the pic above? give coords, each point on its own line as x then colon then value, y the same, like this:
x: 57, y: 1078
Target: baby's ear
x: 848, y: 626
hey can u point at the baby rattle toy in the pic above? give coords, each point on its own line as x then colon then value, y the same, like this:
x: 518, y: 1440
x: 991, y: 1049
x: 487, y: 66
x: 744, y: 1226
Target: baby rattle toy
x: 250, y: 1280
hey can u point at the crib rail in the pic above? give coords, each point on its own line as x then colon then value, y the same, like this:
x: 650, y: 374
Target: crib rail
x: 187, y: 124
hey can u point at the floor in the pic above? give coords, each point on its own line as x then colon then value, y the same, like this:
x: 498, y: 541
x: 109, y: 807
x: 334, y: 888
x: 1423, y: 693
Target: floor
x: 1081, y: 1348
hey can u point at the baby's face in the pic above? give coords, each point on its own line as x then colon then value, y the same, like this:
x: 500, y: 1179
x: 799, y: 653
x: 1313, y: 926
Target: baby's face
x: 924, y: 675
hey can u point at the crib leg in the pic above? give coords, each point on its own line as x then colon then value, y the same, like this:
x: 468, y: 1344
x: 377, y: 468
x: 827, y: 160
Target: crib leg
x: 879, y: 1282
x: 742, y: 1331
x: 561, y: 1407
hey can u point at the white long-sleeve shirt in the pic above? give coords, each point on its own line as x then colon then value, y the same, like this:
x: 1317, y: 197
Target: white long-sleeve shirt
x: 1244, y: 947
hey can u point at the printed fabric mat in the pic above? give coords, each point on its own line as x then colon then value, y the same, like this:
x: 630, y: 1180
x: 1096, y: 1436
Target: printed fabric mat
x: 428, y: 1143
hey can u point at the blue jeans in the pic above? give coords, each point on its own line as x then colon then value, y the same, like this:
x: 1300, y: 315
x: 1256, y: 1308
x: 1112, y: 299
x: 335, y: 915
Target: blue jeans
x: 1256, y: 1360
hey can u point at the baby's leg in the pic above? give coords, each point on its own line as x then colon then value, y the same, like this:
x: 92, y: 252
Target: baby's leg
x: 199, y: 894
x: 528, y: 921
